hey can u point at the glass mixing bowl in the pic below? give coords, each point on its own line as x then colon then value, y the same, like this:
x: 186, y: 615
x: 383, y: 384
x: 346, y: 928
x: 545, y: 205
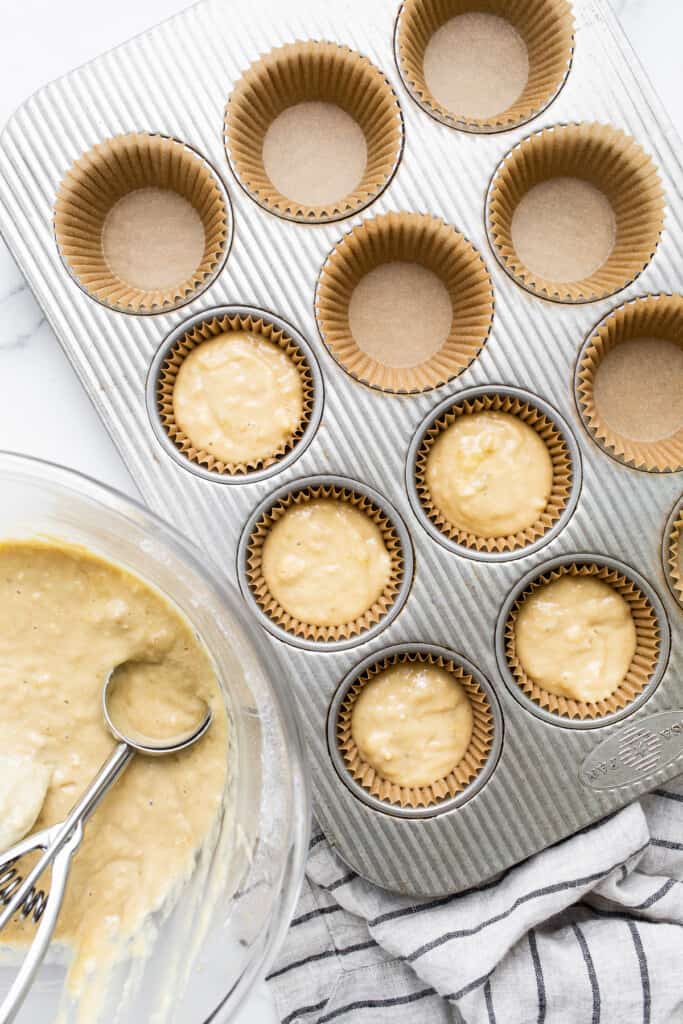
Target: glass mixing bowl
x: 203, y: 953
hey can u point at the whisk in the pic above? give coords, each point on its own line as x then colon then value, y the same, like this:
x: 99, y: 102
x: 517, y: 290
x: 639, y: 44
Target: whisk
x: 59, y: 843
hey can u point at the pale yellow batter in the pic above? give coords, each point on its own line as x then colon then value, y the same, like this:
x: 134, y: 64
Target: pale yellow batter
x: 489, y: 474
x: 68, y: 617
x: 576, y: 638
x: 412, y: 723
x: 326, y: 562
x: 238, y: 396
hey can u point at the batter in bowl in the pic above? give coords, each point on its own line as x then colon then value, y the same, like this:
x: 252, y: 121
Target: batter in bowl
x: 412, y: 723
x: 68, y: 618
x: 489, y: 474
x: 238, y: 397
x: 575, y: 637
x: 326, y: 562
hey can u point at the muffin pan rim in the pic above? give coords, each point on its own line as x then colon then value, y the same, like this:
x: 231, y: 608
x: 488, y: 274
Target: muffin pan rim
x: 468, y: 127
x: 229, y: 219
x: 542, y: 569
x: 468, y: 394
x: 343, y: 483
x: 449, y: 804
x: 289, y: 457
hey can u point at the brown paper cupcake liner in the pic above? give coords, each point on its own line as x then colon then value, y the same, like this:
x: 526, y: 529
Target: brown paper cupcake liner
x: 644, y: 661
x: 274, y: 610
x: 202, y: 332
x: 546, y: 26
x: 659, y: 316
x: 463, y: 773
x: 116, y: 168
x: 416, y: 238
x: 557, y: 449
x: 313, y: 71
x: 675, y: 547
x: 615, y: 164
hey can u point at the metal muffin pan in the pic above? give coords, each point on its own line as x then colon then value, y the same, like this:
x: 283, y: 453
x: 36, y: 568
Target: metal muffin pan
x: 538, y: 791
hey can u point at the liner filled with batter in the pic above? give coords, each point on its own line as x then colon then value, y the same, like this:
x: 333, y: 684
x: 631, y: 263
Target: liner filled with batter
x: 558, y: 451
x: 189, y: 342
x: 643, y: 663
x: 434, y: 268
x: 313, y: 82
x: 544, y: 31
x: 575, y: 212
x: 272, y: 607
x: 652, y: 321
x: 462, y: 774
x: 142, y: 223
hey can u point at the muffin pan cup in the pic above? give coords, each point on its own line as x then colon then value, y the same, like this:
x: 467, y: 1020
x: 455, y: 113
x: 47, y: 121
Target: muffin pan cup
x: 656, y: 316
x: 466, y: 778
x: 647, y: 665
x: 617, y: 166
x: 409, y: 238
x: 546, y: 26
x: 273, y: 616
x: 549, y: 780
x: 183, y: 340
x: 117, y: 168
x: 313, y: 71
x: 671, y: 551
x: 563, y: 450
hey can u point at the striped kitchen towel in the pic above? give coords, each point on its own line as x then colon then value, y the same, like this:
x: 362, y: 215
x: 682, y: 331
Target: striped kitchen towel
x: 589, y: 931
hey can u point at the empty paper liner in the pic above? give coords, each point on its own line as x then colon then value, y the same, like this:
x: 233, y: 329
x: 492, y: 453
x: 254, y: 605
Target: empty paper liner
x: 464, y: 773
x: 652, y: 320
x: 674, y: 550
x: 317, y: 73
x: 642, y: 666
x: 544, y: 27
x: 557, y: 449
x: 410, y: 243
x: 194, y: 337
x: 272, y: 608
x: 613, y: 174
x: 116, y: 183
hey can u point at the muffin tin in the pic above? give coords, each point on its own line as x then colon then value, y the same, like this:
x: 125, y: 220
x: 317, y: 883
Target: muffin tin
x: 544, y: 778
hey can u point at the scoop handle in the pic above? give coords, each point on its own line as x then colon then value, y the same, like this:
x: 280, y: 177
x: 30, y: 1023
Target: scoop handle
x: 59, y: 843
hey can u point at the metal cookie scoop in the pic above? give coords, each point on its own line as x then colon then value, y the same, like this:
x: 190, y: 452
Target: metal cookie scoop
x: 61, y: 841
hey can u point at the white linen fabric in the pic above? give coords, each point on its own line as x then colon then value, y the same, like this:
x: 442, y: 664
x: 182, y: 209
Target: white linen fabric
x: 589, y: 931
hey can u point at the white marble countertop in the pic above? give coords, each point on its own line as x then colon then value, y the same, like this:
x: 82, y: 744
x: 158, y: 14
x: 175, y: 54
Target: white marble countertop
x: 43, y: 410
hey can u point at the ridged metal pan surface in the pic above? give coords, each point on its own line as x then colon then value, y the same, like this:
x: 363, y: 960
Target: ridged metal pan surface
x: 176, y: 80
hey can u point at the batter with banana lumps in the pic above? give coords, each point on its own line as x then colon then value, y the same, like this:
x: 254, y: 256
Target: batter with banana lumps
x: 412, y: 723
x: 575, y: 637
x: 239, y: 397
x: 489, y: 474
x: 69, y: 617
x: 325, y: 562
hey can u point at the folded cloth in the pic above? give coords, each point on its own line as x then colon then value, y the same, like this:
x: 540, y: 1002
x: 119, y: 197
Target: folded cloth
x: 588, y: 931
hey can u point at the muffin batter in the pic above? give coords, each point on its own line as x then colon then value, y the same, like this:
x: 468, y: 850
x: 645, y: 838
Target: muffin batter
x: 325, y: 562
x: 412, y: 723
x: 238, y: 396
x: 490, y: 474
x: 68, y: 618
x: 576, y: 638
